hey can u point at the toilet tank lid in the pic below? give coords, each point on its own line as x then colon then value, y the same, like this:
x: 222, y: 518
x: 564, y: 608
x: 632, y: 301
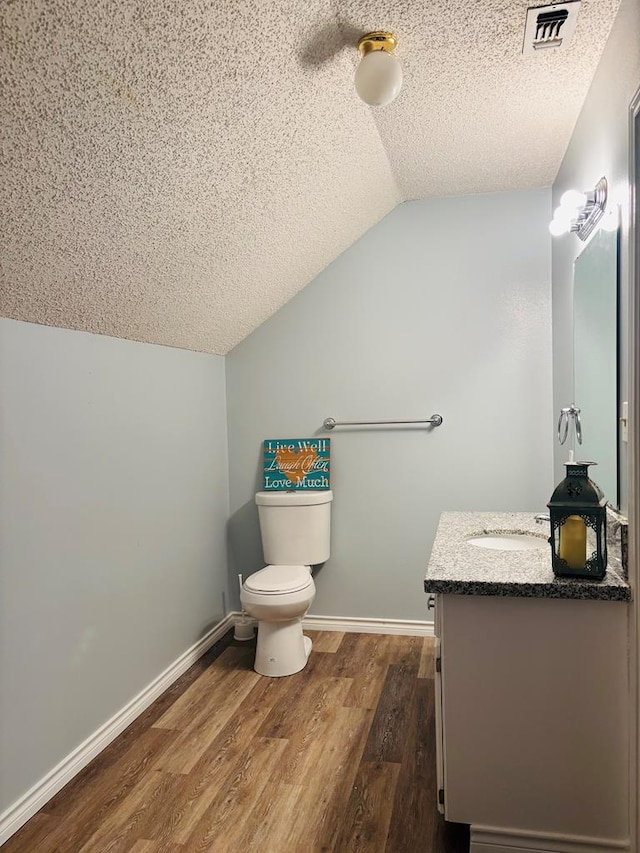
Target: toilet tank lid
x: 279, y: 579
x: 302, y: 498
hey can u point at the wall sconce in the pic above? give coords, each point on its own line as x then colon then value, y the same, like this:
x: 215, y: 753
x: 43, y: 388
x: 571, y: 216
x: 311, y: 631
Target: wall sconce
x: 378, y: 78
x: 579, y: 212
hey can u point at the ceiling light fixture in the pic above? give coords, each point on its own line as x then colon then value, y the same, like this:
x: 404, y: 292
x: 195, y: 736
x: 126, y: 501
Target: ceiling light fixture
x: 579, y: 212
x: 378, y: 77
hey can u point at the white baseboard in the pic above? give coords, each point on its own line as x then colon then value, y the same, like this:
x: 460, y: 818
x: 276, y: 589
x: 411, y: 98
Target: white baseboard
x: 357, y: 625
x: 404, y: 627
x: 19, y: 813
x: 486, y: 839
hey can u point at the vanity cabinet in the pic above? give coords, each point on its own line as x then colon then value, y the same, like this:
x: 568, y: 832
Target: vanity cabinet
x: 532, y: 721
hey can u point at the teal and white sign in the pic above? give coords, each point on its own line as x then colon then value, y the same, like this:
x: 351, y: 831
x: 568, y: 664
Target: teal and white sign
x: 296, y: 463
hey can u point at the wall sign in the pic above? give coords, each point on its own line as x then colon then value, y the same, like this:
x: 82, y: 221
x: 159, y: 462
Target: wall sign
x: 296, y: 463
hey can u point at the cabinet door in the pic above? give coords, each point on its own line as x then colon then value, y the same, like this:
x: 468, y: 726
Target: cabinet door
x: 438, y: 717
x: 535, y: 705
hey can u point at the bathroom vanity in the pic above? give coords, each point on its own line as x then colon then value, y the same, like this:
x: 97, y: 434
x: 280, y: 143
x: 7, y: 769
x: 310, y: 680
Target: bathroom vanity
x: 531, y: 693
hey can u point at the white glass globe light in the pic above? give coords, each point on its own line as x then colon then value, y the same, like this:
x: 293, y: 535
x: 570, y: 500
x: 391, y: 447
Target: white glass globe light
x: 558, y: 227
x: 611, y: 218
x: 564, y: 214
x: 378, y: 78
x: 572, y: 200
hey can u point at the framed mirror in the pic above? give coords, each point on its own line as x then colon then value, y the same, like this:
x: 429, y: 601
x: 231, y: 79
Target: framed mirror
x: 595, y: 347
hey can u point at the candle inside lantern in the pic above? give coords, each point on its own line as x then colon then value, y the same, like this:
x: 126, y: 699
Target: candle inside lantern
x: 573, y: 542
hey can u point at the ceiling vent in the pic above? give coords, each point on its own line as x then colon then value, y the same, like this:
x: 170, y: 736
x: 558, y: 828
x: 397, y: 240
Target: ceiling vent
x: 550, y: 27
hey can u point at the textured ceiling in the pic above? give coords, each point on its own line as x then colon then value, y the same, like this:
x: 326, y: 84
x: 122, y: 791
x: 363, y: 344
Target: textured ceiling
x: 174, y: 172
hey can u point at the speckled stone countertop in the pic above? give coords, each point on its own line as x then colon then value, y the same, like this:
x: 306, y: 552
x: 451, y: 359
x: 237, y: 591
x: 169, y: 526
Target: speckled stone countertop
x: 457, y: 567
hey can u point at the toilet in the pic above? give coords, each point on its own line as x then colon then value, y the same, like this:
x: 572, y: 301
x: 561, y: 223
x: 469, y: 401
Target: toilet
x: 295, y: 529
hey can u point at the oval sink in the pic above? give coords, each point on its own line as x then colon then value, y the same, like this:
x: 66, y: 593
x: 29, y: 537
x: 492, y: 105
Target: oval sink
x: 509, y: 541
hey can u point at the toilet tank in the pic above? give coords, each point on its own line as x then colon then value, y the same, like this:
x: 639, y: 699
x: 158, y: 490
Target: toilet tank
x: 295, y: 527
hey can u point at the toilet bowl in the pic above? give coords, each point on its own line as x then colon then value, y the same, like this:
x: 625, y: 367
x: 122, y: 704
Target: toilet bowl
x: 278, y: 597
x: 295, y: 530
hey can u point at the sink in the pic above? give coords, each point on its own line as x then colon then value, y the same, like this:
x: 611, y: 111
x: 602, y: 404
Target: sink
x: 508, y: 541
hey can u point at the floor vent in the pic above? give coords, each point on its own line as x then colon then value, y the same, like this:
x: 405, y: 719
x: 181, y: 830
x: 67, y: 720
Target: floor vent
x: 550, y: 27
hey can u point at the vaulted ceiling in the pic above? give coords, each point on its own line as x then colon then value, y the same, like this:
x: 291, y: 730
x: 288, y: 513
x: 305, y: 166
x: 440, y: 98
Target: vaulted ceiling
x: 174, y: 172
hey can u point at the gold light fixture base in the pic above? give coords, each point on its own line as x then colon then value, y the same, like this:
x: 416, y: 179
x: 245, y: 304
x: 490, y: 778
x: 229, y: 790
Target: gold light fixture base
x: 377, y: 41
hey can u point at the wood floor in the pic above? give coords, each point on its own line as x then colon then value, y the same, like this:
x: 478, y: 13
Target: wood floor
x: 339, y: 757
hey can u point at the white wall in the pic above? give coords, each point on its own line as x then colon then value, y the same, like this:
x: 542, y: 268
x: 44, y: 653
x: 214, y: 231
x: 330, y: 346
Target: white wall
x: 113, y: 504
x: 599, y: 146
x: 442, y: 307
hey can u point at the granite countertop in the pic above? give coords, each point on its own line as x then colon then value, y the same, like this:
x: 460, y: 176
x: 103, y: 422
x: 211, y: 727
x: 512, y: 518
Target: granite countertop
x: 457, y: 567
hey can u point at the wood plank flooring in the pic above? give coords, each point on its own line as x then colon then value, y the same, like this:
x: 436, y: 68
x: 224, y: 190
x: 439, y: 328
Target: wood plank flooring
x: 340, y: 757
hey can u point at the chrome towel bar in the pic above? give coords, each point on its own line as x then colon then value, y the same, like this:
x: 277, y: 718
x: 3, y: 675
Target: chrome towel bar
x: 330, y: 423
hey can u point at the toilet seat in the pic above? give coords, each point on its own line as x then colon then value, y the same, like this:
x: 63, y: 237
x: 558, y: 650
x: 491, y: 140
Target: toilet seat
x: 276, y: 580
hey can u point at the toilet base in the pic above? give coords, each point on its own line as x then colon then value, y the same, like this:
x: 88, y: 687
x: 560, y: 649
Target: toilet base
x: 282, y: 649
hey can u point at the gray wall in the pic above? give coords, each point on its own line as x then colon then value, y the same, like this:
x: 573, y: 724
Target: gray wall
x: 443, y: 307
x: 113, y: 504
x: 599, y: 146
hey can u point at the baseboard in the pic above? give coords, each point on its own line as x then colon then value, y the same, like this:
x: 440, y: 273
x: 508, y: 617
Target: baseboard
x: 486, y: 839
x: 404, y: 627
x: 19, y: 813
x: 356, y: 625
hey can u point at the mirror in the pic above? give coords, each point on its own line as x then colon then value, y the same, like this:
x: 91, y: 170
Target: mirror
x: 595, y: 357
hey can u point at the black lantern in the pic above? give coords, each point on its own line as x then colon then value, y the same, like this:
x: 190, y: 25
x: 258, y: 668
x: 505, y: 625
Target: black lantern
x: 578, y: 515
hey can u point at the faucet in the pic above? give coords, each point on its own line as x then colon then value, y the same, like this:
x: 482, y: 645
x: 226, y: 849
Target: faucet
x: 541, y: 517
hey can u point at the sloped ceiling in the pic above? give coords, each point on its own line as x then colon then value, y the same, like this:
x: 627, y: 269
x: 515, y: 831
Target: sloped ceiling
x: 174, y: 172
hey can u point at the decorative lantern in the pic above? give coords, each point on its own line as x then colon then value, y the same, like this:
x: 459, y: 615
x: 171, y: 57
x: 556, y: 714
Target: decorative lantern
x: 578, y: 515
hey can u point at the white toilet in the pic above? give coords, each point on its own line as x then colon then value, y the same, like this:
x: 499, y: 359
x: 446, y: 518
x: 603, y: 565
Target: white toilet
x: 295, y: 529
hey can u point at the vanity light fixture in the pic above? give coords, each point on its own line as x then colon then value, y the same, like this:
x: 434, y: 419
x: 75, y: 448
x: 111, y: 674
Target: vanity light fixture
x: 378, y: 78
x: 579, y: 212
